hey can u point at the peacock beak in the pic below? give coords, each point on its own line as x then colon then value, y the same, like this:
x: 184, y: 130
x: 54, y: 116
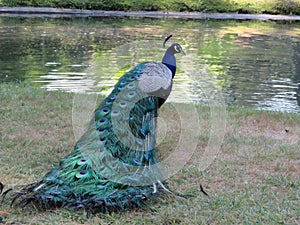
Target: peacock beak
x: 181, y: 51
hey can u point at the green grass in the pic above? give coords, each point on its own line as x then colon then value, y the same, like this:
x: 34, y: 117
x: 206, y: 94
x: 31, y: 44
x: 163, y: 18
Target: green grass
x: 245, y: 6
x: 254, y: 179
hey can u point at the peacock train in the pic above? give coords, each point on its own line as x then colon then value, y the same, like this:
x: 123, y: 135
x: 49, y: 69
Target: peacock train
x: 114, y: 164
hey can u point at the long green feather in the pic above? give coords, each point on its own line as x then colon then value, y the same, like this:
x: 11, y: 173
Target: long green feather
x: 112, y: 166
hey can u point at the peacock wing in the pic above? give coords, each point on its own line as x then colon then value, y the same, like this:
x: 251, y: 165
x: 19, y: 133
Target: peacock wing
x: 156, y: 80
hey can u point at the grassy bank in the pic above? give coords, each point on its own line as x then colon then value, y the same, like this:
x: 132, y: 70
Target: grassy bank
x: 241, y: 6
x: 254, y: 179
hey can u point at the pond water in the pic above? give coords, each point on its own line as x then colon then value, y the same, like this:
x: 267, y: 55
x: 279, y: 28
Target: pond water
x: 252, y: 63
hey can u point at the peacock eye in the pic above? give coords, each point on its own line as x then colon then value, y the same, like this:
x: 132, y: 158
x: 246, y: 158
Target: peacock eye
x: 177, y: 49
x: 82, y: 174
x: 101, y: 129
x: 82, y: 161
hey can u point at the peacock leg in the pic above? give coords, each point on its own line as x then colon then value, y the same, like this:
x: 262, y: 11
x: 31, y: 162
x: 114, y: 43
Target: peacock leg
x: 154, y: 188
x: 40, y: 186
x: 163, y: 186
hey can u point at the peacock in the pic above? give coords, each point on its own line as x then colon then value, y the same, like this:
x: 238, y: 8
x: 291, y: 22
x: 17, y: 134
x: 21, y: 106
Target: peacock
x: 114, y: 164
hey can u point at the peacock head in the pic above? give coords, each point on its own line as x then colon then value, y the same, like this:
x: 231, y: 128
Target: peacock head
x: 174, y: 48
x: 169, y: 58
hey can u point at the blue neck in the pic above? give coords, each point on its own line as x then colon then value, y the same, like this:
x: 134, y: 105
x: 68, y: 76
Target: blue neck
x: 170, y: 61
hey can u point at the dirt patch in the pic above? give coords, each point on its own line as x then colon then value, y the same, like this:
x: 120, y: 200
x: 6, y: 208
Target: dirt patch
x: 283, y: 131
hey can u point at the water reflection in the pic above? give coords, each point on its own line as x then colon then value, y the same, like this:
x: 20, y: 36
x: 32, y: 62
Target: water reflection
x: 255, y: 64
